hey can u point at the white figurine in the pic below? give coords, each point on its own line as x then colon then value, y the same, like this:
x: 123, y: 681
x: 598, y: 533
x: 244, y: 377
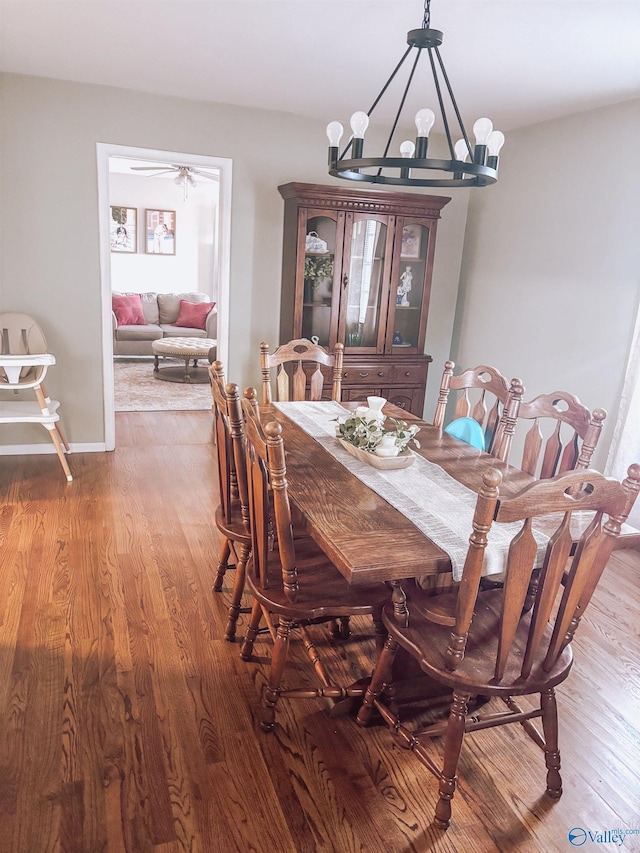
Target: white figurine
x: 404, y: 287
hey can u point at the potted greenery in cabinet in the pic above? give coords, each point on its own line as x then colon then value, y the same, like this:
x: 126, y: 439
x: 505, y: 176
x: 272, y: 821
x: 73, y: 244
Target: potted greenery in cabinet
x: 316, y: 269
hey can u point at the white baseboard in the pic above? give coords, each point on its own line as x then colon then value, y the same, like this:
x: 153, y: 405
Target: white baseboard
x: 39, y: 449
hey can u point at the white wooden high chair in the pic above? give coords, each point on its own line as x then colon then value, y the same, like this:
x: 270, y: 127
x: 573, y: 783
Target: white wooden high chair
x: 24, y: 362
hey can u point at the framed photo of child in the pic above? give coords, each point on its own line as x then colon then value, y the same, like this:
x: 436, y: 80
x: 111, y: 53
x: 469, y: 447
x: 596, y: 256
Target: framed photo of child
x: 123, y: 232
x: 160, y: 232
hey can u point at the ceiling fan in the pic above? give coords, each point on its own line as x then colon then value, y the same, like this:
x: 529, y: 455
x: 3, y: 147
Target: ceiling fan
x: 184, y: 175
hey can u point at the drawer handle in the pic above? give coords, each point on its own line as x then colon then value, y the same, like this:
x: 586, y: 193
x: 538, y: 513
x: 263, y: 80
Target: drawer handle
x: 401, y: 405
x: 408, y: 373
x: 381, y: 373
x: 363, y: 373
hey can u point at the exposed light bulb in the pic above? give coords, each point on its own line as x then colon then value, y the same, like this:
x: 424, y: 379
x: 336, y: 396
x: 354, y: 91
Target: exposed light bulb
x: 460, y: 150
x: 334, y: 133
x: 407, y: 148
x: 359, y: 124
x: 482, y: 128
x: 495, y: 142
x: 424, y: 121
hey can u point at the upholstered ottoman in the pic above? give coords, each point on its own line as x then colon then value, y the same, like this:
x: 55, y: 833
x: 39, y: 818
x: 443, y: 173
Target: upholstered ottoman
x: 187, y: 349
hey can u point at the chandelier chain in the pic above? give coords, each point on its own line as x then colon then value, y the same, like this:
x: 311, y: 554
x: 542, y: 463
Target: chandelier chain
x: 426, y: 20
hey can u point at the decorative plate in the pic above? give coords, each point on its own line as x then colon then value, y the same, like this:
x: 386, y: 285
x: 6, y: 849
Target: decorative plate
x: 385, y: 463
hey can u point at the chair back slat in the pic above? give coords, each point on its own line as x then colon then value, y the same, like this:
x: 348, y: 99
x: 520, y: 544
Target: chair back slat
x: 315, y: 385
x: 292, y: 379
x: 480, y: 411
x: 299, y: 382
x: 570, y: 454
x: 532, y: 446
x: 551, y: 455
x: 521, y: 559
x: 528, y: 636
x: 463, y: 406
x: 282, y: 384
x: 573, y: 438
x: 558, y: 551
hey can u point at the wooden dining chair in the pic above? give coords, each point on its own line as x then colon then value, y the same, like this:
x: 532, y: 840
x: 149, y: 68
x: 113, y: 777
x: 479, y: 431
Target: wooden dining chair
x: 230, y: 523
x: 567, y: 444
x: 496, y: 646
x: 293, y: 582
x: 484, y: 395
x: 292, y: 380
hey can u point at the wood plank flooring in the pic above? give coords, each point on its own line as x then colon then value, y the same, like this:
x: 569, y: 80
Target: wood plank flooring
x: 129, y: 724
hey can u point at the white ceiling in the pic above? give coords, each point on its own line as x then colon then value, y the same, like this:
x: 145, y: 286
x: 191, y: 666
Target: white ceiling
x: 517, y: 61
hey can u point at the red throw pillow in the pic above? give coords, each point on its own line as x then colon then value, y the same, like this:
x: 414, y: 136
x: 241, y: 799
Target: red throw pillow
x: 128, y: 310
x: 194, y: 315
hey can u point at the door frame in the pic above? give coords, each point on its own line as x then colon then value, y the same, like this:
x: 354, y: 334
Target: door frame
x: 222, y: 269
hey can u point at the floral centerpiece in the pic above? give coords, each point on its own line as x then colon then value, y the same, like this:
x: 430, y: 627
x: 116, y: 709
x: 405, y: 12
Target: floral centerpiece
x: 367, y: 431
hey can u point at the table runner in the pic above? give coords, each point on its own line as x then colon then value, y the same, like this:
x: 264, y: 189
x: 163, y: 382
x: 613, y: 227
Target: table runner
x: 437, y: 504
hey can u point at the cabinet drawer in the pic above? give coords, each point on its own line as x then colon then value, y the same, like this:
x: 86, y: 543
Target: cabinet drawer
x: 410, y: 374
x: 359, y: 395
x: 359, y: 374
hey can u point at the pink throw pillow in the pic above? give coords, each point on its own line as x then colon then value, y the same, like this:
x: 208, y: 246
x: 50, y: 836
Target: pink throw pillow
x: 128, y: 310
x: 193, y: 315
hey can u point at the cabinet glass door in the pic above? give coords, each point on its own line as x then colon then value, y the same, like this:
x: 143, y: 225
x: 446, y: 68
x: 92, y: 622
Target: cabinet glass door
x: 363, y: 284
x: 409, y: 274
x: 319, y: 268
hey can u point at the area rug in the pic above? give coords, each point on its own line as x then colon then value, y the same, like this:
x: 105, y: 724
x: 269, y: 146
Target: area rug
x: 137, y: 390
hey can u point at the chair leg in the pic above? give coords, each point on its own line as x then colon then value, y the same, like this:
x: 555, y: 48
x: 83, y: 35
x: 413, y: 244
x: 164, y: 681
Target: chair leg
x: 453, y: 738
x: 551, y: 753
x: 340, y: 630
x: 380, y: 632
x: 252, y: 631
x: 60, y: 451
x: 223, y: 564
x: 63, y: 437
x: 380, y: 678
x: 236, y: 595
x: 278, y: 661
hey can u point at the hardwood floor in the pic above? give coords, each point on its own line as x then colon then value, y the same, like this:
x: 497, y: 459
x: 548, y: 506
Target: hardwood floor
x: 129, y: 724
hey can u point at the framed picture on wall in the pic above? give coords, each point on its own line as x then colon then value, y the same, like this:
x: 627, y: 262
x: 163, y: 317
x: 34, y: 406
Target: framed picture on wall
x: 123, y: 229
x: 160, y: 232
x: 411, y: 238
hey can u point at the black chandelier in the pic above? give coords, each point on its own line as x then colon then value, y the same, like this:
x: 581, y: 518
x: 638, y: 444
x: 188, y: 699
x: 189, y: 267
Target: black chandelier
x: 469, y: 166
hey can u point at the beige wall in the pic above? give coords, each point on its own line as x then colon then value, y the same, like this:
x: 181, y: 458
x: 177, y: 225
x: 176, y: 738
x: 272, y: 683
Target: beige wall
x: 551, y: 272
x: 49, y: 221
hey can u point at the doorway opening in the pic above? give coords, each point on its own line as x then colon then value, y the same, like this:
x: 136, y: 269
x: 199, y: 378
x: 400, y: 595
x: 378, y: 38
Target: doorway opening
x: 191, y: 195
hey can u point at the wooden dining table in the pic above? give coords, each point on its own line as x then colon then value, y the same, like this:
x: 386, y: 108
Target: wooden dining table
x: 362, y: 534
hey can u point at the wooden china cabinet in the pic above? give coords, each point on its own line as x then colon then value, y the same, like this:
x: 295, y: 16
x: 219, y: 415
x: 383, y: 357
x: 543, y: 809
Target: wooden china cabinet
x: 357, y: 268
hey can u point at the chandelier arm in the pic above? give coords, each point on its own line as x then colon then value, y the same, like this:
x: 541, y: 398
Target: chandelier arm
x: 402, y: 101
x: 382, y: 91
x: 443, y: 111
x: 455, y: 106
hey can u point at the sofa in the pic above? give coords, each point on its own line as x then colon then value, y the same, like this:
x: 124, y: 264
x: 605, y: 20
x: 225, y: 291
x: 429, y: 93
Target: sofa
x: 160, y: 312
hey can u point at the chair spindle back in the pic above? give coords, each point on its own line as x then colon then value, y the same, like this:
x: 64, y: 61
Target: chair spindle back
x: 292, y: 379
